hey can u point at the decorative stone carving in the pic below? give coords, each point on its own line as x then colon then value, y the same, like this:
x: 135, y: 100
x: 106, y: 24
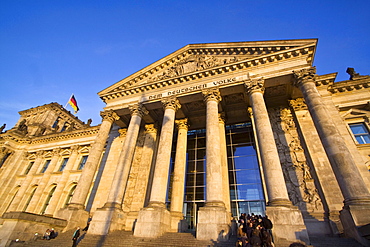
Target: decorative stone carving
x: 109, y: 115
x: 171, y: 102
x: 298, y: 104
x: 212, y: 94
x: 122, y: 132
x: 253, y: 85
x: 304, y: 75
x: 190, y: 64
x: 150, y: 128
x: 300, y: 184
x: 353, y: 75
x: 182, y: 123
x: 138, y: 109
x: 221, y: 117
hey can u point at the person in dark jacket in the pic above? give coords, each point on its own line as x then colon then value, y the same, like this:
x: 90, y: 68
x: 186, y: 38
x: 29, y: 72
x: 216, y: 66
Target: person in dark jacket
x: 75, y: 237
x: 255, y: 240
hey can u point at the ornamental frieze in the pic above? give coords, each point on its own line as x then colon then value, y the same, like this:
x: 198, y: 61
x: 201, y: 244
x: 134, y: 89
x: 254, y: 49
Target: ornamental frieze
x: 191, y: 64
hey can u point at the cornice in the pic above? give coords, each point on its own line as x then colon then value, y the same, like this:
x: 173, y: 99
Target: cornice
x: 349, y: 85
x: 277, y: 53
x: 323, y: 80
x: 54, y: 107
x: 12, y: 136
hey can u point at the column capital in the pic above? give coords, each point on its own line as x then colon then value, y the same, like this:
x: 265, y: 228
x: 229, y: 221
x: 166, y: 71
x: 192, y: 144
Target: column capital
x: 222, y: 117
x: 40, y: 153
x: 171, y: 103
x: 304, y: 75
x: 212, y: 94
x: 74, y: 148
x: 298, y: 104
x: 122, y: 132
x: 182, y: 124
x: 109, y: 115
x: 254, y: 85
x: 138, y: 109
x: 56, y: 151
x: 150, y: 128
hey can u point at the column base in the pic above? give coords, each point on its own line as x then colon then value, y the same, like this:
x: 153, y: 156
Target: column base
x: 356, y: 222
x: 75, y: 215
x: 178, y: 223
x: 213, y: 224
x: 107, y: 219
x: 287, y: 223
x: 153, y: 221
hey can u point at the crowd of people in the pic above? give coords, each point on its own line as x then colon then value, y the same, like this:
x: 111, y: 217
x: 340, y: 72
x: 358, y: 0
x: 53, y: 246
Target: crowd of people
x: 254, y: 231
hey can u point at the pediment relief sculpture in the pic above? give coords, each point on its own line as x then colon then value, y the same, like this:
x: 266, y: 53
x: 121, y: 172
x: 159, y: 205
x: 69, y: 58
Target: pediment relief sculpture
x: 191, y: 64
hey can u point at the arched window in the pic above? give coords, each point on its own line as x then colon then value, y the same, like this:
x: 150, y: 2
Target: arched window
x: 12, y: 195
x: 50, y: 195
x: 70, y: 195
x: 30, y: 198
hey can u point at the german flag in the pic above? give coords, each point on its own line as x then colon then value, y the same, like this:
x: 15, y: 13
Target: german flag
x: 73, y: 102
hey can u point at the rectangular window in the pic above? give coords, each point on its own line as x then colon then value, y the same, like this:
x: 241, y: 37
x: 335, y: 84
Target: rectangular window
x: 361, y: 133
x: 45, y: 166
x: 63, y: 165
x: 82, y: 162
x: 29, y: 167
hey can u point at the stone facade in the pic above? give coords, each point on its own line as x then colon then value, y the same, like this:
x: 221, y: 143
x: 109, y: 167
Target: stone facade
x: 134, y: 171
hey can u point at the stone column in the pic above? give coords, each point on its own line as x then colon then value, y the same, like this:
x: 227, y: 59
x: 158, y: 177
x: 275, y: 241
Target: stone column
x: 75, y: 213
x: 178, y: 184
x: 20, y: 198
x: 354, y: 190
x: 142, y: 181
x: 273, y: 173
x: 57, y: 196
x: 155, y: 219
x: 38, y: 198
x: 287, y: 219
x: 224, y: 164
x: 213, y: 219
x: 110, y: 216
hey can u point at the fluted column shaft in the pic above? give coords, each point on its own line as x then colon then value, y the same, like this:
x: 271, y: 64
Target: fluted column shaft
x: 160, y: 179
x: 178, y: 184
x: 37, y: 197
x: 16, y: 204
x: 55, y: 200
x: 119, y: 182
x: 224, y: 164
x: 214, y: 185
x: 88, y: 172
x: 352, y: 185
x: 273, y: 174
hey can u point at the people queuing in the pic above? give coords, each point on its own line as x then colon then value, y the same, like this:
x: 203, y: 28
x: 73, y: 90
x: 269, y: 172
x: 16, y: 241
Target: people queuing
x: 254, y: 231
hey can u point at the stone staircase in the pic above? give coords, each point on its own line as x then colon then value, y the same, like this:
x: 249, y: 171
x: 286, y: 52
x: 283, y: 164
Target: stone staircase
x: 124, y: 239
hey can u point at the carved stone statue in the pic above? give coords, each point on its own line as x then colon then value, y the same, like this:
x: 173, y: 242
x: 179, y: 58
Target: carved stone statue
x: 353, y: 75
x: 2, y: 128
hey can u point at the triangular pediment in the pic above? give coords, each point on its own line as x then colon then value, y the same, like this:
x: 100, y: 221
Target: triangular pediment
x: 208, y: 59
x: 356, y: 113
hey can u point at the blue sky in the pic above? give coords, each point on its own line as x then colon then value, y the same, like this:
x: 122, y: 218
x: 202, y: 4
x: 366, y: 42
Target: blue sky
x: 51, y: 49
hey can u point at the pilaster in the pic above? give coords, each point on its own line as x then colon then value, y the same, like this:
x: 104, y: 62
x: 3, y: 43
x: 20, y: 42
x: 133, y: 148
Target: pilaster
x: 155, y: 219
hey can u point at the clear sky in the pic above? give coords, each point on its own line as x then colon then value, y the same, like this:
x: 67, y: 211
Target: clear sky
x: 51, y: 49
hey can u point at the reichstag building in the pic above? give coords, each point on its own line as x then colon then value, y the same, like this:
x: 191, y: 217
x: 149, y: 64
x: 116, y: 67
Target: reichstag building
x: 192, y: 141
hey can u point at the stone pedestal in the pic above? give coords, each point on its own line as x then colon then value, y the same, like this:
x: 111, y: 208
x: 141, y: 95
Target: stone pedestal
x: 178, y: 223
x: 153, y: 221
x: 287, y: 223
x: 354, y: 218
x: 26, y: 226
x: 107, y: 219
x: 75, y: 217
x: 213, y: 224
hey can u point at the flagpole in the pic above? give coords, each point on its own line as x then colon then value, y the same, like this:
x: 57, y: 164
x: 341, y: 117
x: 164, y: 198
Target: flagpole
x: 65, y: 107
